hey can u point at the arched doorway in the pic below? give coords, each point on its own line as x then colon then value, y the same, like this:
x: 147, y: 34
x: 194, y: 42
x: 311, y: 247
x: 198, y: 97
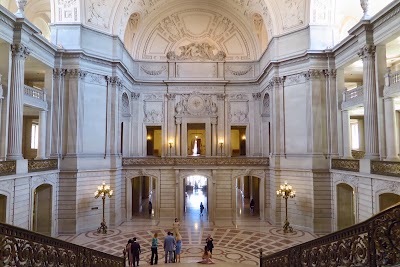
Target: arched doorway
x: 345, y: 206
x: 144, y: 198
x: 195, y: 188
x: 3, y: 208
x: 387, y: 200
x: 42, y: 209
x: 248, y: 189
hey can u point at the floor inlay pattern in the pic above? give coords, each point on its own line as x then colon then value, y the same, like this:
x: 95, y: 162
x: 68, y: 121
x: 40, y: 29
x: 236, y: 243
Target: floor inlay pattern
x: 232, y: 243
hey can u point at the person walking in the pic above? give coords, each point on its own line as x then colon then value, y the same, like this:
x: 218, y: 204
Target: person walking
x: 252, y: 204
x: 169, y: 245
x: 176, y: 226
x: 150, y: 208
x: 135, y: 248
x: 201, y: 208
x: 210, y: 245
x: 129, y: 250
x: 154, y: 249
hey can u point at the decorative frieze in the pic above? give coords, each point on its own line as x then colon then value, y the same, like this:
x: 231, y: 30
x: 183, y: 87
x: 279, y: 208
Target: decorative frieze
x: 77, y: 73
x: 135, y: 96
x: 153, y: 71
x: 351, y: 180
x: 239, y: 71
x: 42, y: 165
x: 388, y: 168
x: 7, y: 167
x: 196, y: 104
x: 313, y: 74
x: 352, y: 165
x: 153, y: 97
x: 198, y: 52
x: 294, y: 79
x: 96, y: 79
x: 196, y: 161
x: 257, y: 96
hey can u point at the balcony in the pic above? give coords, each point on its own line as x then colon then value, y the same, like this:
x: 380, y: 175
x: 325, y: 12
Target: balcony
x: 353, y: 97
x: 42, y: 165
x: 7, y: 168
x: 196, y: 161
x: 392, y: 84
x: 35, y: 97
x: 352, y: 165
x: 388, y: 168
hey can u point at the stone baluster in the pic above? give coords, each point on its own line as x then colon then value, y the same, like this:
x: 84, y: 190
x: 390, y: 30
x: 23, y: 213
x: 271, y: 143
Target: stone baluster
x: 367, y: 53
x: 42, y: 135
x: 21, y: 7
x: 19, y: 55
x: 392, y: 149
x: 346, y: 134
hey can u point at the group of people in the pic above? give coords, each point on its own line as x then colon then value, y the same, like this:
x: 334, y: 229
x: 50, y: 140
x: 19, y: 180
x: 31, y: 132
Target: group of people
x: 172, y: 248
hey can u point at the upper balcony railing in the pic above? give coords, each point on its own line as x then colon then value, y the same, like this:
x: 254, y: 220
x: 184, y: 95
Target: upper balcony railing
x: 392, y: 84
x: 35, y: 165
x: 353, y: 97
x: 352, y: 165
x: 34, y: 93
x: 7, y: 167
x: 20, y: 247
x: 374, y: 242
x: 196, y: 161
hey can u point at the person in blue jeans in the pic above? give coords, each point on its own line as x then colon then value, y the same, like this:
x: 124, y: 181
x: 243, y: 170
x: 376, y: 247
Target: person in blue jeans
x: 169, y: 245
x: 154, y: 249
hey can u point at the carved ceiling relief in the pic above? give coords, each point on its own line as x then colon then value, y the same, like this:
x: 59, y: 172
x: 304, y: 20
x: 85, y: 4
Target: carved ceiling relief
x: 153, y: 108
x: 210, y: 36
x: 293, y: 13
x: 67, y: 10
x: 238, y: 109
x: 195, y: 104
x: 98, y: 12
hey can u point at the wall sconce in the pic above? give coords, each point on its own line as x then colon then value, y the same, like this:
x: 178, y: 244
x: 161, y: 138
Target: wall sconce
x: 243, y: 137
x: 170, y: 142
x: 149, y: 137
x: 221, y: 144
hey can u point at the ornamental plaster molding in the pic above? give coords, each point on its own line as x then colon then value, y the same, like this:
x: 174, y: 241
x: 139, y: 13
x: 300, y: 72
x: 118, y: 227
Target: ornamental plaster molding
x: 381, y: 186
x: 98, y: 12
x: 235, y: 97
x: 94, y: 78
x: 135, y: 96
x: 7, y: 186
x: 153, y: 71
x: 240, y: 173
x: 51, y: 179
x: 345, y: 178
x: 238, y: 111
x: 141, y: 172
x: 197, y: 52
x: 67, y: 10
x: 239, y: 71
x: 294, y: 79
x: 293, y: 13
x: 368, y: 51
x: 196, y: 104
x: 313, y: 74
x: 77, y: 73
x: 257, y: 96
x: 258, y: 173
x: 20, y: 51
x: 153, y: 97
x: 58, y: 72
x: 125, y: 108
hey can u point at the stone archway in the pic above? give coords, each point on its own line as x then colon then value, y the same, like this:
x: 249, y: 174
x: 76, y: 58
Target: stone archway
x: 345, y: 206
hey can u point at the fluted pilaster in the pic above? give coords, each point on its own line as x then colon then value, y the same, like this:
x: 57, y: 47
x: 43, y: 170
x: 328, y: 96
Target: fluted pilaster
x: 392, y: 149
x: 19, y: 55
x: 42, y: 135
x: 367, y: 53
x: 346, y: 134
x: 178, y: 122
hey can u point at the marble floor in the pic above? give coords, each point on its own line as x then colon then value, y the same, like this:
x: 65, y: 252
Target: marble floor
x: 235, y: 243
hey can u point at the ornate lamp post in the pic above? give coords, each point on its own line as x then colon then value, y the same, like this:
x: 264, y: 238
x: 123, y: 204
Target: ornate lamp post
x: 170, y: 147
x: 286, y: 191
x: 103, y: 191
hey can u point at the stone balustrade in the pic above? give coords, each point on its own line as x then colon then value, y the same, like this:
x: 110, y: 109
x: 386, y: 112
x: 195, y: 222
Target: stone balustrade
x: 353, y: 97
x: 34, y: 93
x: 389, y: 168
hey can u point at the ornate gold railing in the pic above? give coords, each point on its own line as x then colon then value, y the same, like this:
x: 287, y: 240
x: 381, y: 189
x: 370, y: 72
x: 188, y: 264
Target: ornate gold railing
x: 7, y: 167
x: 20, y: 247
x: 389, y: 168
x: 42, y: 165
x: 357, y: 154
x: 352, y: 165
x: 223, y: 161
x: 375, y: 242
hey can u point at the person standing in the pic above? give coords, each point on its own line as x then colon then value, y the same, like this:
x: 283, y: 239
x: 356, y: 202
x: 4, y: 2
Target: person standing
x: 150, y: 208
x: 169, y: 245
x: 178, y: 247
x: 135, y: 247
x: 154, y: 249
x: 176, y: 226
x: 209, y: 242
x: 129, y: 250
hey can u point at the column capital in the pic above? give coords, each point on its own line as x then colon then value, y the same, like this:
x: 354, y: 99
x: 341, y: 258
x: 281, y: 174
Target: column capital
x: 20, y: 50
x: 58, y: 72
x: 135, y: 96
x: 257, y: 96
x: 170, y: 96
x: 330, y: 73
x: 313, y: 74
x: 220, y: 97
x: 368, y: 51
x: 178, y: 120
x: 76, y: 73
x: 276, y: 81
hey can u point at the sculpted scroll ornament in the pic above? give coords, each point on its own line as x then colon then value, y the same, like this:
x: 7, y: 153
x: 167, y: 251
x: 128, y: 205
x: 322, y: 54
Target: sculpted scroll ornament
x: 196, y: 104
x: 240, y: 71
x: 238, y: 112
x: 153, y: 72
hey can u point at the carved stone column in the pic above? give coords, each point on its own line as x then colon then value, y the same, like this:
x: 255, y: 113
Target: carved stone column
x: 170, y: 123
x: 392, y: 146
x: 178, y: 122
x: 57, y: 99
x: 42, y: 135
x: 214, y: 142
x: 346, y: 134
x: 19, y: 55
x: 332, y: 102
x: 277, y: 126
x: 367, y: 53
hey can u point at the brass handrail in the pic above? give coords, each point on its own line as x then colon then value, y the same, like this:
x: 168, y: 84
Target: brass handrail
x: 21, y: 247
x: 374, y: 242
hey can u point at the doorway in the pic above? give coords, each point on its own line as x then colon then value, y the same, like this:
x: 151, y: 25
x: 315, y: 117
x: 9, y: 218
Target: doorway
x: 154, y: 141
x: 345, y: 206
x: 195, y: 193
x: 247, y: 192
x: 196, y: 135
x: 3, y: 208
x: 42, y: 209
x: 143, y: 196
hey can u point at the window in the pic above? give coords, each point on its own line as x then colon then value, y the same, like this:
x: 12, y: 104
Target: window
x: 34, y: 136
x: 355, y: 141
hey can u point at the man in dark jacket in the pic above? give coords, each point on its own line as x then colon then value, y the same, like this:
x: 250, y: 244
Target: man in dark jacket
x: 135, y: 247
